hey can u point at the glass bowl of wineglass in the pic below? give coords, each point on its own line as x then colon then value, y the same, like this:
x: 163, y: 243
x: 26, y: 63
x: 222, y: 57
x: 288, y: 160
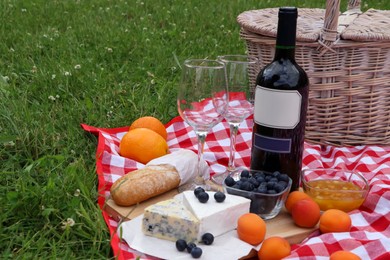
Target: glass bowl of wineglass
x: 202, y: 99
x: 240, y: 105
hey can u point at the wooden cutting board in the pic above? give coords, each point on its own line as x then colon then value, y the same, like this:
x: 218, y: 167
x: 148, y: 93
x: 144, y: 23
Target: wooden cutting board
x: 282, y: 225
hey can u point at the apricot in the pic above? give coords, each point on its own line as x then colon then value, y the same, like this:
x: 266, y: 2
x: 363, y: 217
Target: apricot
x: 335, y: 220
x: 251, y: 228
x: 344, y: 255
x: 293, y: 197
x: 306, y: 213
x: 274, y: 248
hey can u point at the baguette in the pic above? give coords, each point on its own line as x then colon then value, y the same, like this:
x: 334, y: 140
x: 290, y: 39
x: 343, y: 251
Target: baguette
x: 143, y: 184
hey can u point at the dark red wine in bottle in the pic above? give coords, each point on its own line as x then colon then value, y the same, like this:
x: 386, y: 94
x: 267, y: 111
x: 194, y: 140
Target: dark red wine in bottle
x: 281, y: 99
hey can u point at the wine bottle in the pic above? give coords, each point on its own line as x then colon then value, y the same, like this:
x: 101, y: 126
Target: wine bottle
x: 281, y: 100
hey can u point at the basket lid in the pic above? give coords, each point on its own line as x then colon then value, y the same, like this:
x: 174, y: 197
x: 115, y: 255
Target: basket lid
x: 373, y: 25
x: 265, y: 22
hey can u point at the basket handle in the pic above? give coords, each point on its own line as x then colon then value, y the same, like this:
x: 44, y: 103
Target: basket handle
x: 354, y: 4
x: 329, y: 33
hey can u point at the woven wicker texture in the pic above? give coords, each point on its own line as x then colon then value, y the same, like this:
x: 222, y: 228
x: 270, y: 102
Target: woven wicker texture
x: 265, y: 22
x: 372, y: 25
x: 349, y: 97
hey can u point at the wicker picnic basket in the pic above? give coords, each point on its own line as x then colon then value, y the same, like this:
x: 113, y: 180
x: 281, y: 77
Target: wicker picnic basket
x: 347, y: 59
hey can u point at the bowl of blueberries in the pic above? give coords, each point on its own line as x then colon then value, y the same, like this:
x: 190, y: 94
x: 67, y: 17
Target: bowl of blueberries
x: 267, y: 191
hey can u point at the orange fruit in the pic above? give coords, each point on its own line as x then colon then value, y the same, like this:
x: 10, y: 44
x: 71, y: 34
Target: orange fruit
x: 274, y: 248
x: 142, y: 145
x: 251, y: 228
x: 306, y: 213
x: 293, y: 197
x: 343, y: 255
x: 151, y: 123
x: 335, y: 220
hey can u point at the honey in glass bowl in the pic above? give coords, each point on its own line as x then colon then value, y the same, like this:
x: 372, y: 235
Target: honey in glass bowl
x: 335, y: 188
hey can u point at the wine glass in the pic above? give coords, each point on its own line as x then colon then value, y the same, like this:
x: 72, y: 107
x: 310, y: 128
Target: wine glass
x: 240, y: 104
x: 201, y: 100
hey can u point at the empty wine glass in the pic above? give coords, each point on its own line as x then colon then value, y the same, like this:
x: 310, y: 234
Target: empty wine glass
x: 201, y: 100
x: 240, y: 105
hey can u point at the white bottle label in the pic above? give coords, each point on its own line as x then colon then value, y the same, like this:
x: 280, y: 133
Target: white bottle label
x: 277, y: 108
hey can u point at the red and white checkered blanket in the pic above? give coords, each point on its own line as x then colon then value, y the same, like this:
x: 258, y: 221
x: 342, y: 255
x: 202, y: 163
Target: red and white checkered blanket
x: 370, y: 233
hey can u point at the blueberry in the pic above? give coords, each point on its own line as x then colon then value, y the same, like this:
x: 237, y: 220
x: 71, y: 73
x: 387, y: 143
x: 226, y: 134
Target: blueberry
x: 279, y: 187
x: 283, y: 183
x: 207, y: 238
x: 262, y: 190
x: 254, y: 182
x: 260, y: 179
x: 283, y: 177
x: 190, y: 247
x: 268, y: 178
x: 243, y: 179
x: 245, y: 173
x: 276, y: 174
x: 247, y: 186
x: 273, y: 179
x: 219, y: 196
x: 203, y: 197
x: 198, y: 190
x: 229, y: 181
x: 271, y: 192
x: 181, y: 245
x: 271, y: 185
x: 261, y: 174
x: 196, y: 252
x: 263, y: 185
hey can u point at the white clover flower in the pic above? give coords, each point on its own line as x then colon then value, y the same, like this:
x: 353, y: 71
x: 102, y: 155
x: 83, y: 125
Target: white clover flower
x: 10, y: 144
x: 34, y: 69
x: 173, y: 68
x: 67, y: 73
x: 68, y: 223
x: 52, y: 98
x: 57, y: 96
x: 76, y: 193
x: 144, y: 28
x: 222, y: 26
x: 152, y: 82
x: 53, y: 76
x: 77, y: 67
x: 109, y: 49
x: 12, y: 50
x: 24, y: 10
x: 109, y: 113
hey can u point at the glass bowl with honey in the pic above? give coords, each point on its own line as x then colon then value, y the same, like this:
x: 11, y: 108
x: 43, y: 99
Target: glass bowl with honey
x: 335, y: 188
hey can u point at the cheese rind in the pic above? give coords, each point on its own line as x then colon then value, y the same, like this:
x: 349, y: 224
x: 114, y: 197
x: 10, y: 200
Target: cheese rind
x: 170, y: 220
x: 215, y: 217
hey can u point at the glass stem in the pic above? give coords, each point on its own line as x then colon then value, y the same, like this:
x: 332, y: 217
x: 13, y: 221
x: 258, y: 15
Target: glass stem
x: 201, y: 140
x: 233, y: 134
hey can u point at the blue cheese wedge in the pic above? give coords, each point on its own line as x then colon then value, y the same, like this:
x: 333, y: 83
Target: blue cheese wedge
x: 170, y: 220
x: 184, y: 217
x: 214, y: 217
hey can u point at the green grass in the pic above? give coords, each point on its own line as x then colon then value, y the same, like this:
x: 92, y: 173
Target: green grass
x: 104, y: 63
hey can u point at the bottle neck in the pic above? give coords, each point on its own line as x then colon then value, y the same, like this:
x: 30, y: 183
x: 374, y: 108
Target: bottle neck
x: 286, y: 33
x: 284, y: 52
